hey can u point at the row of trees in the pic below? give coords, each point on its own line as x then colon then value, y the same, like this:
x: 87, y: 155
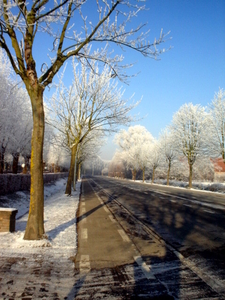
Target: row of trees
x: 195, y: 136
x: 15, y: 116
x: 23, y: 28
x: 77, y: 117
x: 16, y: 125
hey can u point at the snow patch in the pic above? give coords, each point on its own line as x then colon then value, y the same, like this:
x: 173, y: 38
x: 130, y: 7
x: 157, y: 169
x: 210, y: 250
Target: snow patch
x: 59, y: 222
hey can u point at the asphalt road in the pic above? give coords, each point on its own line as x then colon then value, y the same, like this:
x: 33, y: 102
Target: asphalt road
x: 191, y: 222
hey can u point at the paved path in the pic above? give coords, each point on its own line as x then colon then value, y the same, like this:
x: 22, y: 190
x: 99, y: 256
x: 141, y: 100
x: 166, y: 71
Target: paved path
x: 117, y: 260
x: 102, y: 242
x: 108, y: 263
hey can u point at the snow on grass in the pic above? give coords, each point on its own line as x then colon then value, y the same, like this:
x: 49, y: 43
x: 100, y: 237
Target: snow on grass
x: 59, y: 221
x: 218, y: 187
x: 196, y: 185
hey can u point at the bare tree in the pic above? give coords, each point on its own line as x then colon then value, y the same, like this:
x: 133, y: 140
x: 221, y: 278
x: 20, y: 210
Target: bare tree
x: 92, y: 103
x: 168, y: 150
x: 20, y: 136
x: 216, y: 125
x: 15, y: 116
x: 154, y: 158
x: 117, y: 166
x: 89, y: 148
x: 22, y: 23
x: 189, y: 132
x: 136, y: 144
x: 7, y: 122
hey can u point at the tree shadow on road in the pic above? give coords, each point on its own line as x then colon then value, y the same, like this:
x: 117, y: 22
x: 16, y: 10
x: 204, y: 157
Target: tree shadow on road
x: 60, y: 228
x: 169, y: 278
x: 185, y: 230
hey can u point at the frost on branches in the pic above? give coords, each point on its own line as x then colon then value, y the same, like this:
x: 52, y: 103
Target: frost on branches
x: 70, y: 32
x: 189, y: 127
x: 136, y: 144
x: 92, y: 105
x: 15, y: 116
x: 216, y: 125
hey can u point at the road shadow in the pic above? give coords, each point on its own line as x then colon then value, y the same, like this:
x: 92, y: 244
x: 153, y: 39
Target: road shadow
x: 76, y: 287
x: 114, y: 282
x: 181, y: 225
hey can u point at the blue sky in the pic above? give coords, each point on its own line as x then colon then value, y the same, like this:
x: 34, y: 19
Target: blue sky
x: 192, y: 71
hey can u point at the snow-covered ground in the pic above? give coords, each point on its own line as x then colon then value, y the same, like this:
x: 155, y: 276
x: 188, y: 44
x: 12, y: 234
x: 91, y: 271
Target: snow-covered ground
x: 59, y: 221
x: 218, y: 187
x: 40, y: 269
x: 197, y: 185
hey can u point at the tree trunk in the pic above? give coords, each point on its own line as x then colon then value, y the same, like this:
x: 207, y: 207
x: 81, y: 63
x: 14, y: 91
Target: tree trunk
x: 35, y: 223
x: 153, y: 174
x: 190, y: 175
x: 15, y: 162
x: 2, y: 159
x: 143, y: 174
x: 78, y: 171
x: 168, y: 173
x: 134, y: 173
x: 71, y: 171
x: 27, y: 166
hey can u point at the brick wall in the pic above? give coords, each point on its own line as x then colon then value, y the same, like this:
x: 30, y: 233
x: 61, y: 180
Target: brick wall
x: 7, y: 219
x: 10, y: 183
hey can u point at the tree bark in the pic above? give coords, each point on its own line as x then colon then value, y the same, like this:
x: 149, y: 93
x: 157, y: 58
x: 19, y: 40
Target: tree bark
x: 35, y: 223
x: 78, y: 171
x: 71, y: 171
x: 168, y: 173
x: 190, y: 175
x: 27, y: 166
x: 2, y: 159
x: 15, y: 162
x: 134, y: 173
x: 153, y: 174
x: 143, y: 174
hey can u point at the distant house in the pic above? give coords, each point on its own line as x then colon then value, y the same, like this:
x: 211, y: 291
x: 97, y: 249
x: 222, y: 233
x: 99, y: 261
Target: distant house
x: 219, y: 169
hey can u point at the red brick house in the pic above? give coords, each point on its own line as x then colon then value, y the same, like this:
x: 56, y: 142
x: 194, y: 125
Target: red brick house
x: 219, y: 169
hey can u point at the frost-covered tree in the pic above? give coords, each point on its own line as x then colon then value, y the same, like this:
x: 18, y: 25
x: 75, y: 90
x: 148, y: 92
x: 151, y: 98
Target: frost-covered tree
x: 136, y: 143
x: 20, y: 137
x: 216, y: 125
x: 52, y: 146
x: 15, y: 116
x: 145, y: 151
x: 189, y: 126
x: 23, y: 27
x: 5, y: 101
x: 167, y: 150
x: 154, y: 158
x: 89, y: 148
x: 204, y: 168
x: 56, y: 157
x: 93, y: 102
x: 117, y: 166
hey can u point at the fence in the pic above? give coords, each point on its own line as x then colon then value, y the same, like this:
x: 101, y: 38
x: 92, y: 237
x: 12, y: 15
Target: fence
x: 10, y: 183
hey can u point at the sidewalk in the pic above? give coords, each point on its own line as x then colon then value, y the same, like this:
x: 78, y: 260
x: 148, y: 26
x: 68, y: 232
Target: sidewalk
x: 102, y: 243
